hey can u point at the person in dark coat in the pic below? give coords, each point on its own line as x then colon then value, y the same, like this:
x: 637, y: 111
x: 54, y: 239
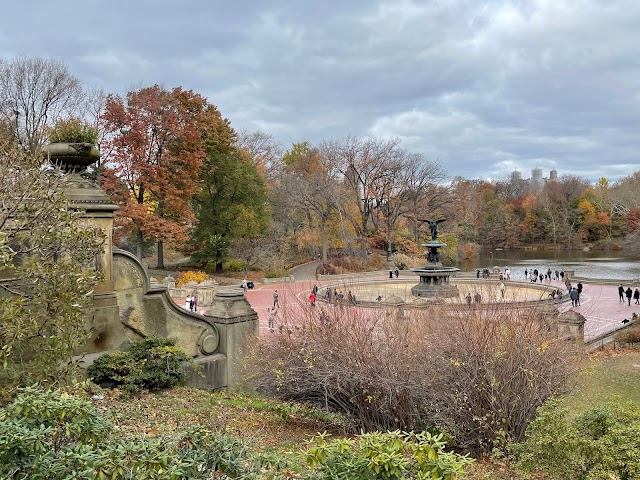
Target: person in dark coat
x: 573, y: 295
x: 629, y: 293
x: 579, y: 288
x: 621, y: 292
x: 636, y: 296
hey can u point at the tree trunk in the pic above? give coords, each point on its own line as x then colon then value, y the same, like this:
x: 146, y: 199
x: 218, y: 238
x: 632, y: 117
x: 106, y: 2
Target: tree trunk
x: 323, y: 238
x: 160, y: 265
x: 139, y: 244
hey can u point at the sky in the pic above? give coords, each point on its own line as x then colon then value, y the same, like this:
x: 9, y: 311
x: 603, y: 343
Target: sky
x: 483, y: 87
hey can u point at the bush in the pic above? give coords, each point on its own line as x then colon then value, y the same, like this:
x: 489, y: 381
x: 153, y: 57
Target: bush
x: 390, y: 455
x: 276, y: 274
x: 629, y: 335
x: 233, y: 265
x: 73, y: 130
x: 477, y: 375
x: 45, y: 434
x: 347, y: 265
x: 602, y: 443
x: 190, y: 276
x: 152, y: 364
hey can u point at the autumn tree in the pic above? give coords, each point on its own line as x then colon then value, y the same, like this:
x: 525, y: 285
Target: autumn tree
x: 261, y: 147
x: 155, y: 152
x: 34, y: 93
x: 365, y: 165
x: 310, y: 186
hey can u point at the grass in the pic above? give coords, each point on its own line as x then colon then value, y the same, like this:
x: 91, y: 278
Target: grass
x: 268, y: 424
x: 607, y: 373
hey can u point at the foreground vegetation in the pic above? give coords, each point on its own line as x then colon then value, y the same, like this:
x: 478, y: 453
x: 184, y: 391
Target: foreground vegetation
x: 190, y: 433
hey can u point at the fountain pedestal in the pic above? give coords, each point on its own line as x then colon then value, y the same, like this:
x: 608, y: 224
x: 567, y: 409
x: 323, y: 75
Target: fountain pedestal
x: 434, y: 278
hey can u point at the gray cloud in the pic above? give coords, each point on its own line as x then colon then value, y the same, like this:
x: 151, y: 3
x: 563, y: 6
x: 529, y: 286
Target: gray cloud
x: 484, y: 87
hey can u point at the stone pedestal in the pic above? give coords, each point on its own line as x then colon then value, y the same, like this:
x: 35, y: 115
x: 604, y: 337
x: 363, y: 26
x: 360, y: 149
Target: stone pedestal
x: 103, y: 316
x: 237, y: 323
x: 434, y: 278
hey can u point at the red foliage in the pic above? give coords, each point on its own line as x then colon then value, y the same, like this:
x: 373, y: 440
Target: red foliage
x: 154, y: 155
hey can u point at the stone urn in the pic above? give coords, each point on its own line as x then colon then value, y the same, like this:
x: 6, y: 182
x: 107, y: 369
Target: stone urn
x: 72, y: 157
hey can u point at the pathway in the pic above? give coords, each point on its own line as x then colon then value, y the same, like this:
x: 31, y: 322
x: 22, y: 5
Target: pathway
x: 599, y: 304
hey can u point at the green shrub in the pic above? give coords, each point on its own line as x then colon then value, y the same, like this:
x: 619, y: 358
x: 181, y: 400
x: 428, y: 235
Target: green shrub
x: 48, y: 435
x: 276, y: 273
x: 602, y: 443
x: 151, y: 364
x: 233, y: 265
x: 389, y: 455
x: 73, y: 130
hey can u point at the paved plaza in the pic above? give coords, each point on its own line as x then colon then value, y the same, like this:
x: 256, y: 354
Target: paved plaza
x: 599, y: 303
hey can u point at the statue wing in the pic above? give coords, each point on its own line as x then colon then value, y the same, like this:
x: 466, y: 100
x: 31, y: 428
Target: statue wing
x: 441, y: 220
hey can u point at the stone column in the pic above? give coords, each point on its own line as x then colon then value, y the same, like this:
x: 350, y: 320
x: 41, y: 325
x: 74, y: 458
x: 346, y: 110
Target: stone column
x: 237, y: 324
x: 99, y: 210
x: 85, y: 195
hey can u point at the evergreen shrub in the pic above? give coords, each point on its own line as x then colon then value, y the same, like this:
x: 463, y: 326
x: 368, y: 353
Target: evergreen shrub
x: 152, y: 364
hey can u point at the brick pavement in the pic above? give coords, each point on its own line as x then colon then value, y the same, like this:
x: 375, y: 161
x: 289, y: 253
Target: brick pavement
x: 598, y: 303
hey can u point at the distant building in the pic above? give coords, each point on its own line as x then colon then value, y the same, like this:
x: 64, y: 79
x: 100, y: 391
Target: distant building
x: 553, y: 175
x: 536, y: 181
x: 516, y: 175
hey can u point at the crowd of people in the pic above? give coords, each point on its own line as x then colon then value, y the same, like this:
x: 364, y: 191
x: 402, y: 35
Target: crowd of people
x: 628, y: 294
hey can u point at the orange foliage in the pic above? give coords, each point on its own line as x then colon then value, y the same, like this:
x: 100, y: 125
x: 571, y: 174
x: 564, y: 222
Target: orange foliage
x: 155, y: 151
x: 190, y: 276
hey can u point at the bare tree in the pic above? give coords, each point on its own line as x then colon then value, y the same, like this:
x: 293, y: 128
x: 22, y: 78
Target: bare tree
x: 366, y: 166
x: 261, y: 147
x: 34, y: 93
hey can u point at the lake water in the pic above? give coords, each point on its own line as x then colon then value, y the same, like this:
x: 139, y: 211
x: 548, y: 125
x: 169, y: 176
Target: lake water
x: 591, y: 264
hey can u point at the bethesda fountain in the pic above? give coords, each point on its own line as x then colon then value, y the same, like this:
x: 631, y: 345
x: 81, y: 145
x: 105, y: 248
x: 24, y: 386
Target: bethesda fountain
x: 434, y: 278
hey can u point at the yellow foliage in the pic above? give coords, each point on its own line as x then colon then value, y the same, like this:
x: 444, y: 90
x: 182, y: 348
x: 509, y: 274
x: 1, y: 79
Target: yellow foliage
x: 190, y: 276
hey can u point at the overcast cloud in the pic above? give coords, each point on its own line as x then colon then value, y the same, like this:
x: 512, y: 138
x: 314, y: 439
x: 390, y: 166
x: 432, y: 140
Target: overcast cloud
x: 483, y: 87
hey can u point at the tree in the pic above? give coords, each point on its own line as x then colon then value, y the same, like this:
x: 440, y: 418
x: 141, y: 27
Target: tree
x: 155, y: 152
x: 47, y: 270
x: 311, y: 187
x: 34, y: 93
x: 366, y: 166
x: 261, y: 148
x: 231, y: 201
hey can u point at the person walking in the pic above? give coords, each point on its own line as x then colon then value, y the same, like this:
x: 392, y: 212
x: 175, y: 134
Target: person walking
x: 397, y: 273
x: 312, y: 299
x: 579, y: 288
x: 573, y: 295
x: 276, y: 302
x: 468, y: 299
x: 629, y: 293
x: 621, y: 292
x: 272, y: 316
x: 502, y: 289
x: 636, y: 296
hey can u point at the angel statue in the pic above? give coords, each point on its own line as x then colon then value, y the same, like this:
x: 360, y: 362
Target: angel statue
x: 433, y: 226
